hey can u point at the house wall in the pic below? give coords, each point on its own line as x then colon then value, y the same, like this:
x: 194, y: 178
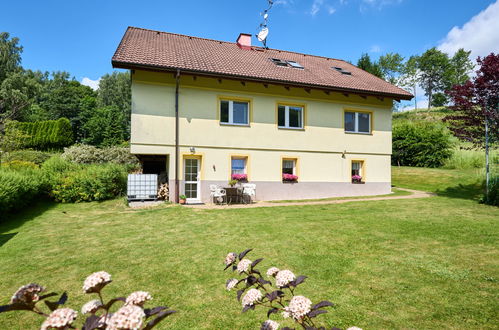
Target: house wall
x: 323, y: 150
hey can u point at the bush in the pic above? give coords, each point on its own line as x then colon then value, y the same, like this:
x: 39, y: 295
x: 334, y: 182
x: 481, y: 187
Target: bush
x: 19, y: 165
x: 90, y: 183
x: 493, y: 197
x: 86, y: 154
x: 43, y: 135
x: 421, y: 144
x: 34, y: 156
x: 19, y: 188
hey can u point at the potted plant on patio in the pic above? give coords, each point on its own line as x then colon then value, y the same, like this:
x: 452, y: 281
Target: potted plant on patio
x: 182, y: 199
x: 233, y: 182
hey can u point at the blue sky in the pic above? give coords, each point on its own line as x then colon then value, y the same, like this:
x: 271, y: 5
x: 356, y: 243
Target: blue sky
x: 81, y: 36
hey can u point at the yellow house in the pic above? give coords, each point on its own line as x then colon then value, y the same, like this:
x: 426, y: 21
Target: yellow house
x: 296, y: 125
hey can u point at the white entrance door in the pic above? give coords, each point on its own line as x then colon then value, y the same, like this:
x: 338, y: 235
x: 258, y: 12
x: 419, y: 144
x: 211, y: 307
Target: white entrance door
x: 191, y: 180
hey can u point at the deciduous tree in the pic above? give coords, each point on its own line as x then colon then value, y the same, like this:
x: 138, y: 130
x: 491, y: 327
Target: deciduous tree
x: 433, y: 66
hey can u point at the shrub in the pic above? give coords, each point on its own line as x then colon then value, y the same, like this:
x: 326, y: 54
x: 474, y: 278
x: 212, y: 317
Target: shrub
x: 131, y: 315
x: 34, y: 156
x: 86, y: 154
x: 90, y: 183
x: 19, y: 165
x: 19, y: 187
x: 421, y: 144
x: 273, y: 292
x: 43, y: 135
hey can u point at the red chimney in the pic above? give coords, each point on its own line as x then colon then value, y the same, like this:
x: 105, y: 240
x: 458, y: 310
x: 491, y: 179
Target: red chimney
x: 244, y: 41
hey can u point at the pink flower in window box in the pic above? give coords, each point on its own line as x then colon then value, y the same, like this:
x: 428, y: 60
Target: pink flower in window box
x: 289, y: 177
x: 356, y: 178
x: 240, y: 177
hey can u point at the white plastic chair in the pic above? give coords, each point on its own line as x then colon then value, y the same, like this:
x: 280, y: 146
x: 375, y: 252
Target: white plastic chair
x: 249, y: 189
x: 217, y: 193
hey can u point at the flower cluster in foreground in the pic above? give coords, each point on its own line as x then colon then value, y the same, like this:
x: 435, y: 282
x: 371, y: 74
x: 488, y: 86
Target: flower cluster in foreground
x: 276, y: 292
x: 131, y: 315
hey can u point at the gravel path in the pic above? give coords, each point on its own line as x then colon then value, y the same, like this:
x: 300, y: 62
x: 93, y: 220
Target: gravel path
x: 414, y: 194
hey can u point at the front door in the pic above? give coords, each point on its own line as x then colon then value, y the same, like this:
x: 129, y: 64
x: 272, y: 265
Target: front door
x: 191, y: 180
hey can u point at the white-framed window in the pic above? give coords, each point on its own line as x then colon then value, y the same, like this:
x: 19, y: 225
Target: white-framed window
x: 289, y: 172
x: 357, y: 122
x: 238, y: 165
x: 357, y: 171
x: 234, y: 112
x: 289, y: 116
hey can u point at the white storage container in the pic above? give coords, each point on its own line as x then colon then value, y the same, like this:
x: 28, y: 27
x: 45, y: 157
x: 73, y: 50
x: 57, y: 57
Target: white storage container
x: 142, y: 186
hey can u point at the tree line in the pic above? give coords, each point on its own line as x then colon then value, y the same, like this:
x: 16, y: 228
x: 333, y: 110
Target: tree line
x: 435, y: 71
x: 100, y: 118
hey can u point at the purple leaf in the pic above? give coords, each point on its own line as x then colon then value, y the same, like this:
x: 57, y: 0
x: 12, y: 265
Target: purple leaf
x: 158, y: 319
x: 316, y: 312
x: 323, y: 303
x: 247, y: 307
x: 244, y: 253
x: 239, y: 293
x: 272, y: 311
x: 256, y: 262
x: 152, y: 311
x: 92, y: 322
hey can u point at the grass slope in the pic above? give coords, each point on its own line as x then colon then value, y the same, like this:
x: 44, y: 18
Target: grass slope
x: 423, y: 263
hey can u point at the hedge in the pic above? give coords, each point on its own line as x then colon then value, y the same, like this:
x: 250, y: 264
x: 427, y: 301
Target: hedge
x: 43, y: 135
x: 19, y: 188
x: 34, y: 156
x: 421, y: 144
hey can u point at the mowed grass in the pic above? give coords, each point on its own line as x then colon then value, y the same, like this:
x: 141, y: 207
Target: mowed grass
x: 419, y: 263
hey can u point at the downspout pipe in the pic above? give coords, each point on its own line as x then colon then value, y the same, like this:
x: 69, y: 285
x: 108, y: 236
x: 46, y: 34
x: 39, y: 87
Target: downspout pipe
x: 177, y: 151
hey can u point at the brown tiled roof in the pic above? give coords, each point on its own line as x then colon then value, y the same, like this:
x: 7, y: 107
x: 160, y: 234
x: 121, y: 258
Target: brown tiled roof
x: 141, y: 48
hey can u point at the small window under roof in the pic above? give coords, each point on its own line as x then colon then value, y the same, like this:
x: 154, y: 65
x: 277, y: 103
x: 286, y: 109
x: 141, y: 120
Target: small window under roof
x: 295, y: 64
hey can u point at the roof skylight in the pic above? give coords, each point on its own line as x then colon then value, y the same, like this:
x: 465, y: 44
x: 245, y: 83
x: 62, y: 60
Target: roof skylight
x: 280, y: 62
x: 295, y: 64
x: 341, y: 70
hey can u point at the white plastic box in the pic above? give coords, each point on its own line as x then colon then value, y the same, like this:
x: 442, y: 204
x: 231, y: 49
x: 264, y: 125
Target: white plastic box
x: 142, y: 187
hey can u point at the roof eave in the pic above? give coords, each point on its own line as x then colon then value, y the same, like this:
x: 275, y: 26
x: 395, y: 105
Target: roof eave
x: 131, y: 66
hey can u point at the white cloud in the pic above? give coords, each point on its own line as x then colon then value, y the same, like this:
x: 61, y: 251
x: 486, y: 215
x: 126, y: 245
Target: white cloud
x: 94, y: 84
x: 316, y: 7
x: 330, y: 10
x: 377, y: 4
x: 283, y: 2
x: 375, y: 49
x: 480, y: 34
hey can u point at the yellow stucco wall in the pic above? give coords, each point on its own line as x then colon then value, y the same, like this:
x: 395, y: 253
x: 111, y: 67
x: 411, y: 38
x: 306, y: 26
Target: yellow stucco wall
x: 319, y: 147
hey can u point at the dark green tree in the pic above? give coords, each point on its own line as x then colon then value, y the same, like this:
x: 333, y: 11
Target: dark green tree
x: 433, y: 66
x: 10, y: 55
x: 115, y: 90
x: 391, y: 66
x: 410, y: 77
x: 105, y: 127
x: 372, y: 67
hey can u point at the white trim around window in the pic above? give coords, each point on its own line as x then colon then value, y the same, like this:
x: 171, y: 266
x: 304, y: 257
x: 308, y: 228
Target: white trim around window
x: 288, y: 122
x: 359, y: 122
x: 238, y: 112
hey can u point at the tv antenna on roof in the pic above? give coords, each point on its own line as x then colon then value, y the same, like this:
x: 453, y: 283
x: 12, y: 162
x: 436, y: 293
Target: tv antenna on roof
x: 264, y: 30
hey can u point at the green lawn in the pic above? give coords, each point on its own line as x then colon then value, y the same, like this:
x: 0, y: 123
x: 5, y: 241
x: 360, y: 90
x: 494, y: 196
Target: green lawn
x: 421, y: 263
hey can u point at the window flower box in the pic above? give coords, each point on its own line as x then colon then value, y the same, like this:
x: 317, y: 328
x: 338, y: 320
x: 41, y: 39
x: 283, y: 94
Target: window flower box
x: 357, y: 179
x: 240, y: 177
x: 289, y: 178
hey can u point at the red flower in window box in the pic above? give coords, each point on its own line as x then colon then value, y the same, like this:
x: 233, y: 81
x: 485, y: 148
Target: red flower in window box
x: 356, y: 179
x: 289, y: 177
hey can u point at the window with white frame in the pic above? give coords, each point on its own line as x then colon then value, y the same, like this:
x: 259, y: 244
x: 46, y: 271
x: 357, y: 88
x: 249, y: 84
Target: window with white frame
x: 289, y: 116
x: 289, y: 170
x: 238, y: 170
x: 357, y: 122
x: 234, y: 112
x: 357, y: 171
x: 238, y: 165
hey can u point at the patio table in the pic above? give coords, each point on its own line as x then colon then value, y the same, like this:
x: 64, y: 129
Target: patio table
x: 234, y: 194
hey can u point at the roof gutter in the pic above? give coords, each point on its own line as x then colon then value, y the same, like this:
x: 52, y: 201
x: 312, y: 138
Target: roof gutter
x: 125, y: 65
